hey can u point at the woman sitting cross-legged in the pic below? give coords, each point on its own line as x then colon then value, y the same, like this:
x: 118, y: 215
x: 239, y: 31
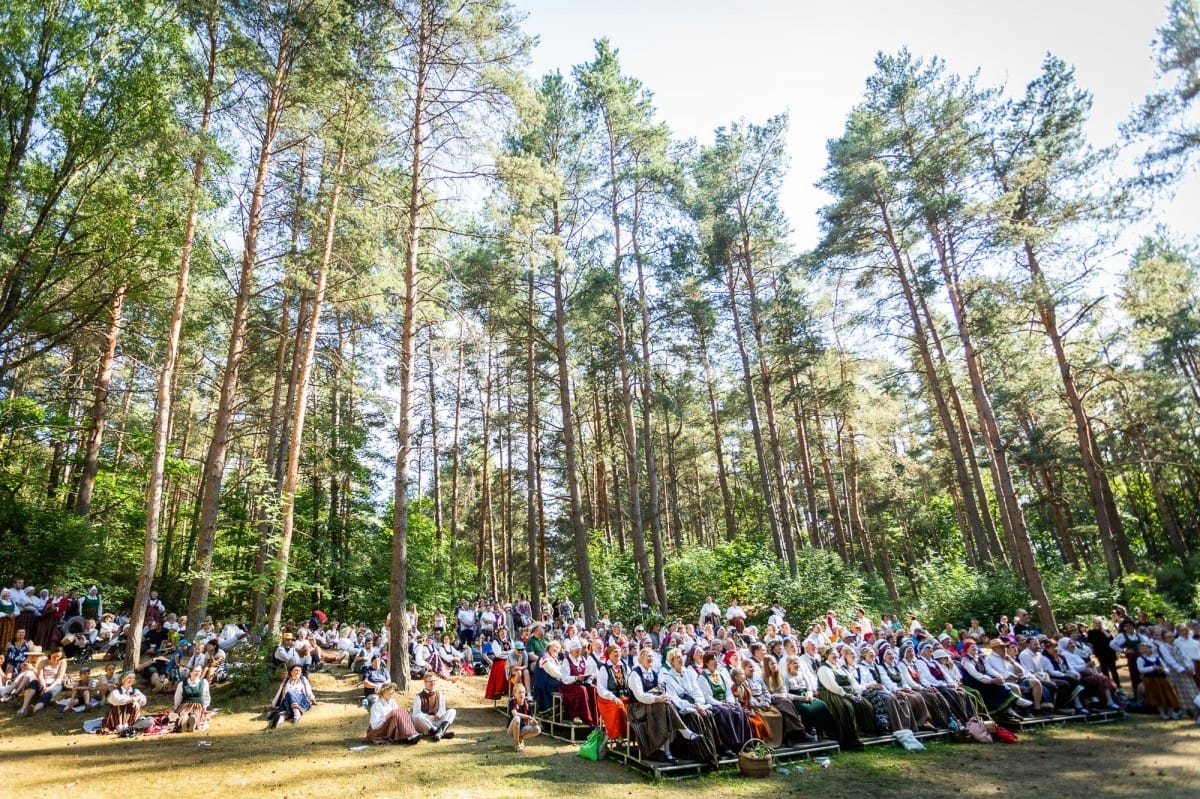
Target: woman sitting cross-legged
x: 191, y: 701
x: 524, y: 725
x: 389, y: 723
x: 294, y: 697
x: 125, y: 705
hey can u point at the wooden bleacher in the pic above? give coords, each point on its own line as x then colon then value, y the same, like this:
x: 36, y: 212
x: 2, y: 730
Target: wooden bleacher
x: 626, y: 751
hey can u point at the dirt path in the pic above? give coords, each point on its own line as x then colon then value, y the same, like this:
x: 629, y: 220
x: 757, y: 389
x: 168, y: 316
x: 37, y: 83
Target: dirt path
x: 1140, y: 757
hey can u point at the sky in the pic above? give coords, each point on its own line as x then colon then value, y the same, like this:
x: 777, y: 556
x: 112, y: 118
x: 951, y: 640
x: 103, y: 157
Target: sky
x: 710, y: 63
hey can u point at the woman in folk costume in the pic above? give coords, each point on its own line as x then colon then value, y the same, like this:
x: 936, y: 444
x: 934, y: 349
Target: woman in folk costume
x: 891, y: 674
x: 388, y: 722
x: 578, y: 686
x: 729, y: 717
x: 800, y: 682
x: 546, y: 679
x: 653, y: 720
x: 939, y: 708
x: 612, y: 694
x: 853, y: 716
x: 891, y: 713
x: 875, y: 696
x: 497, y: 684
x: 793, y: 723
x: 191, y: 701
x: 934, y: 666
x: 1156, y: 684
x: 1179, y: 670
x: 683, y: 686
x: 125, y: 705
x: 1129, y: 642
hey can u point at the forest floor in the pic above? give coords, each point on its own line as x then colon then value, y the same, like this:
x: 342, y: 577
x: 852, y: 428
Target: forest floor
x: 320, y: 757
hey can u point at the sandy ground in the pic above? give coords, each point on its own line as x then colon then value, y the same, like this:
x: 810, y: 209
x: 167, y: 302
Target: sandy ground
x: 1140, y: 757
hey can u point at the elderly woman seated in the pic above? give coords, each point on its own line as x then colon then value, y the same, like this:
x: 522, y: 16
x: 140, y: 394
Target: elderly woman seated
x: 547, y: 678
x: 653, y: 720
x: 683, y: 687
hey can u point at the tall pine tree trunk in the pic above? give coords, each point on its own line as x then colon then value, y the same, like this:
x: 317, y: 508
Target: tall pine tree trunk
x: 99, y: 414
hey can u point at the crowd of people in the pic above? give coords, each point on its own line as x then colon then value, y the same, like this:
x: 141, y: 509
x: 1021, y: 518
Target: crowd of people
x: 697, y: 689
x: 705, y: 688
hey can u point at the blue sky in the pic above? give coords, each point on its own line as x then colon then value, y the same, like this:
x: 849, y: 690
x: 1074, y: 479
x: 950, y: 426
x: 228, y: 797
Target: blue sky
x: 709, y: 63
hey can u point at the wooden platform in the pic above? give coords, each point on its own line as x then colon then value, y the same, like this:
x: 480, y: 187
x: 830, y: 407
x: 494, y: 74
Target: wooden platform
x: 923, y: 735
x: 1097, y: 716
x: 628, y: 755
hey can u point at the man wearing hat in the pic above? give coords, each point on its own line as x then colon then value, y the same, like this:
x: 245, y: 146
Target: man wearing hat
x: 517, y: 667
x: 286, y: 654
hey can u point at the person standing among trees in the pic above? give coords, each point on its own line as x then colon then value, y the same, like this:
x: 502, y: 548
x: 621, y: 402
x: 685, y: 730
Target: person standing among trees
x: 735, y: 616
x: 466, y: 623
x: 1100, y: 640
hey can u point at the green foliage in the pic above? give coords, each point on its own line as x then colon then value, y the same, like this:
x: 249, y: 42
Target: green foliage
x: 951, y: 590
x: 1179, y: 584
x: 749, y: 570
x: 1141, y: 593
x: 252, y: 670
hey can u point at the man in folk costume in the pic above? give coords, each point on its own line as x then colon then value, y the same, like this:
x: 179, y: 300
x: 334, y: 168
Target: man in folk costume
x: 430, y: 715
x: 578, y: 687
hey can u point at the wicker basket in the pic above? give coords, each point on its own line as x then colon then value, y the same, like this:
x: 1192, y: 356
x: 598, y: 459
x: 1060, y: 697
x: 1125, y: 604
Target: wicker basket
x: 752, y: 765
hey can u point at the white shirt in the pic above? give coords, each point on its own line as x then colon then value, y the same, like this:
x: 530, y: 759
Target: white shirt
x: 734, y: 612
x: 380, y: 710
x: 709, y: 609
x: 827, y: 676
x: 466, y: 618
